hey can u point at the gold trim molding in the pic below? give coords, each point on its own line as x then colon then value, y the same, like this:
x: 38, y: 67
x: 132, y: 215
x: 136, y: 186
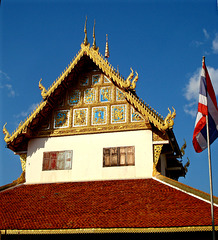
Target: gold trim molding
x: 94, y: 129
x: 110, y: 230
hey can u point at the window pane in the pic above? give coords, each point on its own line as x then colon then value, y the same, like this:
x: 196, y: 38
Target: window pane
x: 68, y: 157
x: 46, y: 164
x: 106, y: 157
x: 122, y: 156
x: 119, y: 156
x: 57, y: 160
x: 130, y: 155
x: 61, y: 160
x: 114, y: 156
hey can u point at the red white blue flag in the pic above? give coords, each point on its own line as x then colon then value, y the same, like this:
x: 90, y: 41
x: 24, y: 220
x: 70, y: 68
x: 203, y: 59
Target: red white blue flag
x: 207, y: 105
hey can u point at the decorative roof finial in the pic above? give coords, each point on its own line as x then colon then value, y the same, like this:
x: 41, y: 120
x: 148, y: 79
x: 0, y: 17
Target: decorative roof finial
x: 203, y: 59
x: 85, y: 31
x: 94, y: 41
x: 106, y: 48
x: 7, y: 135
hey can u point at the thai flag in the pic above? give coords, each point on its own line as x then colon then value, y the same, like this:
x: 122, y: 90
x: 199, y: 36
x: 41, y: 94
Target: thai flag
x: 207, y: 105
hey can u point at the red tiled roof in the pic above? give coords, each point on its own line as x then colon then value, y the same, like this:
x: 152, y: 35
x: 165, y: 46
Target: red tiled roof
x: 141, y: 203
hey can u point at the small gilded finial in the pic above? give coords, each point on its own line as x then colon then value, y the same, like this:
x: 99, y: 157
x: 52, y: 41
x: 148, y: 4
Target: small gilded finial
x: 94, y: 41
x: 203, y: 59
x: 85, y: 31
x: 183, y: 148
x: 106, y: 48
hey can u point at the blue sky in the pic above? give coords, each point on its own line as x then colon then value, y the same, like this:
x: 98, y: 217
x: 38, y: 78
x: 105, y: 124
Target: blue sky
x: 163, y: 41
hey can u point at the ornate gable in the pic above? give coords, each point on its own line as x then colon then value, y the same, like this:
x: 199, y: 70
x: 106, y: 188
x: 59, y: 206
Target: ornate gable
x: 89, y: 96
x: 92, y: 104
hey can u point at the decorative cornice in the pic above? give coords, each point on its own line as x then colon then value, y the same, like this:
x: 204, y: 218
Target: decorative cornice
x: 94, y: 129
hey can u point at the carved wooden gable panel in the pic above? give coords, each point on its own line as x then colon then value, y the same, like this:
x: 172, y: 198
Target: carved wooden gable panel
x: 92, y: 104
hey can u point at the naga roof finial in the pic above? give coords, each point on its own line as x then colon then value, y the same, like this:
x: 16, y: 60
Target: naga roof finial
x: 94, y: 41
x: 169, y: 120
x: 43, y: 90
x: 7, y: 135
x: 85, y: 31
x: 106, y: 48
x: 183, y: 148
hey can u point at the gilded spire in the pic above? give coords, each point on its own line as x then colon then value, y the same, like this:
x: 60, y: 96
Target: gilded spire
x: 94, y: 41
x: 106, y: 48
x: 85, y: 31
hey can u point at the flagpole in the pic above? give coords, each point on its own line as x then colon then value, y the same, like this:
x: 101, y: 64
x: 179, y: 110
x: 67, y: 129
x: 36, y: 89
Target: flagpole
x: 210, y: 175
x: 210, y: 167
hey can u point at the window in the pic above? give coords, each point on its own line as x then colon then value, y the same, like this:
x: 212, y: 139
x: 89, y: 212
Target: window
x: 119, y: 156
x: 58, y: 160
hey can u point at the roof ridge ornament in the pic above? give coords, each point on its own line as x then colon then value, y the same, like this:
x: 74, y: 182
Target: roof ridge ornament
x: 129, y: 78
x: 85, y: 42
x: 133, y: 84
x: 183, y: 148
x: 107, y: 55
x: 94, y: 40
x: 168, y: 121
x: 43, y: 90
x: 6, y: 133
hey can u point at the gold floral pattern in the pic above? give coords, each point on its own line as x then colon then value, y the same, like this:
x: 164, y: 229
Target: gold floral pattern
x: 80, y: 117
x: 118, y: 113
x: 89, y: 95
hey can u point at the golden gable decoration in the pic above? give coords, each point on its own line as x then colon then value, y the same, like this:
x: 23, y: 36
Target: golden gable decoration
x: 104, y: 101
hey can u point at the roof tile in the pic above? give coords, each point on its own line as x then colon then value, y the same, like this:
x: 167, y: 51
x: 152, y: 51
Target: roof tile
x: 143, y: 203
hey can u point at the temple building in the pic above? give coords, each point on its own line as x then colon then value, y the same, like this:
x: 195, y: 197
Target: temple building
x: 98, y: 159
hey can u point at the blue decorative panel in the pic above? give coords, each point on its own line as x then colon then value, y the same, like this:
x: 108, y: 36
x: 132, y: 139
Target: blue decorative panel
x: 119, y: 95
x: 61, y: 119
x: 89, y: 95
x: 95, y: 79
x: 136, y: 116
x: 118, y: 114
x: 84, y: 81
x: 106, y: 80
x: 105, y: 94
x: 99, y: 115
x: 74, y: 97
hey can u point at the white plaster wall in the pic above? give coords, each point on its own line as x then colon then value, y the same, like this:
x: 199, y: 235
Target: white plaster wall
x: 87, y: 162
